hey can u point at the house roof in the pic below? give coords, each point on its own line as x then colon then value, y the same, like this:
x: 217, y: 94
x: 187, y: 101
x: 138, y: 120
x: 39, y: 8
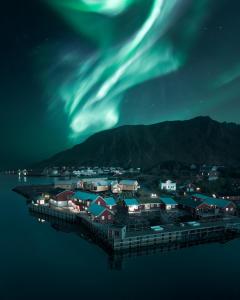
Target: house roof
x: 110, y: 201
x: 149, y: 200
x: 85, y: 196
x: 96, y: 210
x: 168, y: 201
x: 213, y: 201
x: 131, y: 201
x: 128, y: 182
x: 189, y: 202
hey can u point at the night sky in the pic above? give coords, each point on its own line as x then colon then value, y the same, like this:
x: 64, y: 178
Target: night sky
x: 70, y: 68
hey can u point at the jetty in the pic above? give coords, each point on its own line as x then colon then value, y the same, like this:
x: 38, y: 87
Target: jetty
x: 118, y: 238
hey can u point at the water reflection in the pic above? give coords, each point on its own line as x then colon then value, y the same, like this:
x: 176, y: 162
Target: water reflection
x: 116, y: 261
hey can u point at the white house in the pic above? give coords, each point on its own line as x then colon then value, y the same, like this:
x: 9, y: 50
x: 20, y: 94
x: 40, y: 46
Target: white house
x: 168, y: 185
x: 115, y: 187
x: 129, y: 185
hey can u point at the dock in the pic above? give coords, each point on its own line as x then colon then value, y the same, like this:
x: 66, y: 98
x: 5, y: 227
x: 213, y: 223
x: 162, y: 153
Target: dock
x: 56, y: 213
x: 118, y: 238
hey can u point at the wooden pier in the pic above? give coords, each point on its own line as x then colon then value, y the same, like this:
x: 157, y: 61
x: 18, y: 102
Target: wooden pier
x: 56, y: 213
x: 118, y: 239
x: 171, y: 234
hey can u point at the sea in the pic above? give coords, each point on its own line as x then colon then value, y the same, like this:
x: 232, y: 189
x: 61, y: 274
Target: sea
x: 41, y: 259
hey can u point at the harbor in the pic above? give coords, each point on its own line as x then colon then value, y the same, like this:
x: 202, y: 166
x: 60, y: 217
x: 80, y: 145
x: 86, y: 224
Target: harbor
x: 118, y: 238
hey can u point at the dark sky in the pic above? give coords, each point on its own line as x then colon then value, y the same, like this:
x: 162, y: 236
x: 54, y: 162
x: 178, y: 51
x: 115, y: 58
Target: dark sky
x: 67, y: 73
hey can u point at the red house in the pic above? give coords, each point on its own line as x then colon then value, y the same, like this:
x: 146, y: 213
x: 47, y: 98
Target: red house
x: 86, y: 199
x: 61, y: 195
x: 100, y: 213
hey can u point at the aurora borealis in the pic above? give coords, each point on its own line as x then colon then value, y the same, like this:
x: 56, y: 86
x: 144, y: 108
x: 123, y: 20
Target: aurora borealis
x: 82, y: 66
x: 97, y: 86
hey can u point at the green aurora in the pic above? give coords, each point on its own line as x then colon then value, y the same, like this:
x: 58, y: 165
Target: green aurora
x: 92, y: 93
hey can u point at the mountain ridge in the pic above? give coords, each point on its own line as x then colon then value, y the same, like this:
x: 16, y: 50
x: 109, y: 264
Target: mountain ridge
x: 198, y: 140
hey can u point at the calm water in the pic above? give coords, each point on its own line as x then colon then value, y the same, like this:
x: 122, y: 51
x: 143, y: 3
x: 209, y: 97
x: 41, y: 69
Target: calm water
x: 40, y: 262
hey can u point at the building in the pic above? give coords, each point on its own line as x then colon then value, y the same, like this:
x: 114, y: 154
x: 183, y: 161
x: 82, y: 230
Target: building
x: 110, y: 202
x: 168, y: 186
x: 221, y: 205
x: 40, y: 199
x: 93, y: 184
x: 132, y: 205
x: 60, y: 198
x: 87, y: 198
x: 100, y: 213
x: 205, y: 206
x: 129, y: 185
x: 196, y: 208
x: 168, y: 203
x: 150, y: 203
x: 99, y: 186
x: 115, y: 187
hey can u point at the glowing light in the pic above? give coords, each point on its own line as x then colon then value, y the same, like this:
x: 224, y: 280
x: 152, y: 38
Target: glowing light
x: 92, y: 94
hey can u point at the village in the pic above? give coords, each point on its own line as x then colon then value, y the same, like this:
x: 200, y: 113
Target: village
x: 120, y: 212
x: 106, y: 201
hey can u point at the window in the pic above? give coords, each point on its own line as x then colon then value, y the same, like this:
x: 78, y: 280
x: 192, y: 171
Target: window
x: 103, y: 217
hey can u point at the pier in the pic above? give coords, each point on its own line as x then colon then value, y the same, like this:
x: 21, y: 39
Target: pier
x: 117, y: 239
x: 56, y: 213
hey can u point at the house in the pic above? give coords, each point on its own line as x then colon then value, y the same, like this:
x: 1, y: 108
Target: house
x: 221, y: 205
x: 205, y: 206
x: 129, y: 185
x: 93, y: 184
x: 132, y: 205
x: 99, y: 186
x: 100, y: 213
x: 168, y: 203
x: 60, y: 197
x: 196, y: 208
x: 150, y: 203
x: 87, y: 198
x: 115, y: 187
x: 168, y: 186
x: 110, y: 202
x: 39, y: 199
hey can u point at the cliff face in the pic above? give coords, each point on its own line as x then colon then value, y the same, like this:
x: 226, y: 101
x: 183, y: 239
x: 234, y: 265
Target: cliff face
x: 199, y: 140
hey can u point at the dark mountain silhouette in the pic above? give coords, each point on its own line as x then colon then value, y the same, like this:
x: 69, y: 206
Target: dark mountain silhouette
x: 200, y: 140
